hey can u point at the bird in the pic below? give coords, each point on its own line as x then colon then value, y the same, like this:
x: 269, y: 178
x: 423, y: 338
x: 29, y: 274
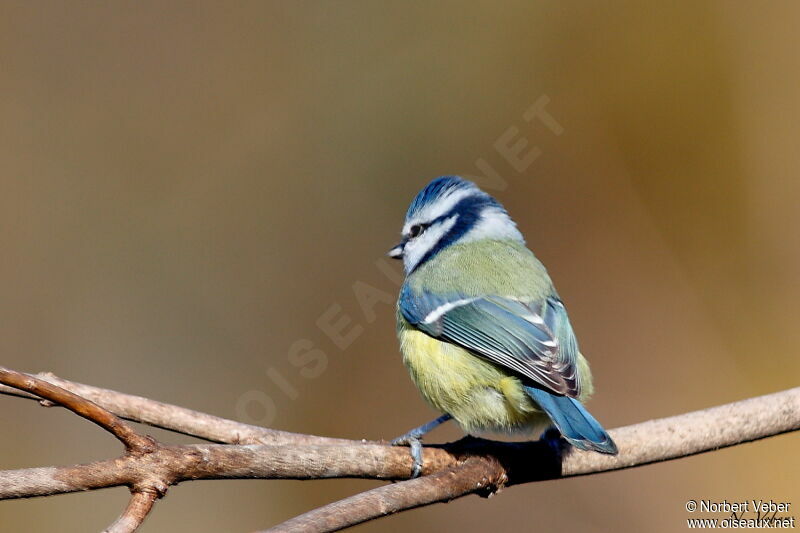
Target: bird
x: 482, y: 331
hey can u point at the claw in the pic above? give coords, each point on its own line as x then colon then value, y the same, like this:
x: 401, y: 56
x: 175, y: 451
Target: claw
x: 413, y: 439
x: 415, y: 445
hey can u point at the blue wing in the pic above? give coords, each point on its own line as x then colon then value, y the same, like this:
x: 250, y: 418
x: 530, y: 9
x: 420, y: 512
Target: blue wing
x: 534, y: 339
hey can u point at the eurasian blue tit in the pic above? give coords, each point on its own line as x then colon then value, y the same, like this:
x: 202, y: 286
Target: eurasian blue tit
x: 482, y: 330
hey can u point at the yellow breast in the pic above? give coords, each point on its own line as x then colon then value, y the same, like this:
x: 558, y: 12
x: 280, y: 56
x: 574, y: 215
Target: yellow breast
x: 480, y: 395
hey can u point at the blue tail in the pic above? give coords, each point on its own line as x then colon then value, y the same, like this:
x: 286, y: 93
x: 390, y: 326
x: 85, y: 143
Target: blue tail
x: 573, y: 421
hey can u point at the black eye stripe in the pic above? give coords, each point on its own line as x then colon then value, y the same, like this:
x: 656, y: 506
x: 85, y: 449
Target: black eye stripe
x: 418, y: 229
x: 469, y: 212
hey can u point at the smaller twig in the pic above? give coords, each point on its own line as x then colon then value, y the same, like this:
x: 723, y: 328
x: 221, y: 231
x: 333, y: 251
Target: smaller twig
x: 134, y: 443
x: 132, y: 517
x: 177, y: 419
x: 474, y: 475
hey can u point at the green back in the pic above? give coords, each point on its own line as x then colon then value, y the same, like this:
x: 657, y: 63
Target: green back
x: 504, y: 268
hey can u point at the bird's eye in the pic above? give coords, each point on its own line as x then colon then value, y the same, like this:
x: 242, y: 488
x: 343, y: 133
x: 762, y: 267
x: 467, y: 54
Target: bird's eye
x: 416, y: 230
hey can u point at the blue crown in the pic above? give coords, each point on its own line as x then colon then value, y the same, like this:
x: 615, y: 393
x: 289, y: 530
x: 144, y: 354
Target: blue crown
x: 439, y: 188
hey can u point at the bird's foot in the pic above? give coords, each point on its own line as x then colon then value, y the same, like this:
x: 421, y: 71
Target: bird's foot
x: 413, y: 441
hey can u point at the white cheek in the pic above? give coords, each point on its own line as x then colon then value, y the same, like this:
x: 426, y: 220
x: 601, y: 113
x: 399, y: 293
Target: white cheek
x: 415, y: 249
x: 493, y: 224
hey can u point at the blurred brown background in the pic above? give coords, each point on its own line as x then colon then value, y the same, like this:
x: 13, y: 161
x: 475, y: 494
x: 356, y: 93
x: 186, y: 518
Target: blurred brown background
x: 185, y: 188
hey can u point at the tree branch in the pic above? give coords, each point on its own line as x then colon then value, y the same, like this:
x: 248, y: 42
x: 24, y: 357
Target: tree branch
x: 134, y: 443
x: 175, y: 418
x: 132, y: 517
x: 507, y: 464
x: 173, y: 464
x: 472, y: 476
x: 451, y: 471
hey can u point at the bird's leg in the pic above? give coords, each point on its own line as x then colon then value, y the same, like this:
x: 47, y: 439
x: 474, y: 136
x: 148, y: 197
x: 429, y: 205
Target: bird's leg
x: 413, y: 438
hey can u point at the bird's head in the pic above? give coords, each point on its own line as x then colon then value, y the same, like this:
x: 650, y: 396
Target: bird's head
x: 450, y: 210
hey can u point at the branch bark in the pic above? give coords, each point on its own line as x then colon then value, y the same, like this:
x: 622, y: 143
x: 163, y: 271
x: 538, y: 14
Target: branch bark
x: 79, y: 405
x: 507, y: 464
x: 454, y: 470
x: 472, y: 476
x: 132, y: 517
x: 174, y: 418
